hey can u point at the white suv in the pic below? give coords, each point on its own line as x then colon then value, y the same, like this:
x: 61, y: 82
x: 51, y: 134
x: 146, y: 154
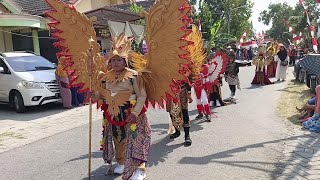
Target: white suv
x: 27, y: 80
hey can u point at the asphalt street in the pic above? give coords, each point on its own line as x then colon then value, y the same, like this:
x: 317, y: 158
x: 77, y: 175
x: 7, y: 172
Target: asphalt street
x: 244, y: 142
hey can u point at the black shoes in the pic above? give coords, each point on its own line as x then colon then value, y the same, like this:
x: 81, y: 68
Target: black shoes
x: 208, y: 118
x: 200, y: 116
x: 187, y: 141
x: 175, y: 135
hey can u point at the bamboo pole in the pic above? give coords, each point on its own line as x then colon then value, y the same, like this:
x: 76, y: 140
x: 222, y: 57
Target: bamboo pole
x: 90, y: 106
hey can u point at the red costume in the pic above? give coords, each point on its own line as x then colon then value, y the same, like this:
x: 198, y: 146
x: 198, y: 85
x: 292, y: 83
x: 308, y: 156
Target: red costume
x: 201, y: 87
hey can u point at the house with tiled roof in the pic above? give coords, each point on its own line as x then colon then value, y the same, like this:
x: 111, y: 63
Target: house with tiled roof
x: 146, y: 4
x: 24, y: 27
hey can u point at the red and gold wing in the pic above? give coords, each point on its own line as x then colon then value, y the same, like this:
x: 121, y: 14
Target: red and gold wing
x: 198, y: 56
x: 217, y: 66
x: 167, y: 57
x: 76, y: 35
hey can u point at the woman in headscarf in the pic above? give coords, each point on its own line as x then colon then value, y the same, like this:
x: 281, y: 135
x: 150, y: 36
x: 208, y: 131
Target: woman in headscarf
x: 282, y: 59
x: 313, y: 124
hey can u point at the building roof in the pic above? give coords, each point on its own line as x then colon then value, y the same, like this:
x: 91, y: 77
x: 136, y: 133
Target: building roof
x: 110, y: 13
x: 146, y: 4
x: 34, y: 7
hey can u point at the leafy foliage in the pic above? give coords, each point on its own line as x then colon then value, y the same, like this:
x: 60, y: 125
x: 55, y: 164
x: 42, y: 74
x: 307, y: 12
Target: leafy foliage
x: 213, y: 15
x: 296, y: 17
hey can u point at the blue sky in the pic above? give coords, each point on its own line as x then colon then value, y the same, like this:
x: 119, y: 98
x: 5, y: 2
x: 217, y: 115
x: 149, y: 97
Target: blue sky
x: 260, y: 5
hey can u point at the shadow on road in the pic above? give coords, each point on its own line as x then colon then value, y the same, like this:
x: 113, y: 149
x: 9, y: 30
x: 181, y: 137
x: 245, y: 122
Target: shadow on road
x: 218, y: 157
x: 36, y: 112
x: 97, y: 154
x: 100, y: 174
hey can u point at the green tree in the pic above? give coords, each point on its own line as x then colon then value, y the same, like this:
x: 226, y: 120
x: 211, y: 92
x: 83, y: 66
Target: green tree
x: 277, y: 14
x: 240, y: 13
x: 137, y: 9
x: 296, y: 17
x: 213, y: 15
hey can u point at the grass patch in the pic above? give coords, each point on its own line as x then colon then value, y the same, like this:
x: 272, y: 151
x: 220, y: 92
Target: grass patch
x: 10, y: 135
x: 295, y: 94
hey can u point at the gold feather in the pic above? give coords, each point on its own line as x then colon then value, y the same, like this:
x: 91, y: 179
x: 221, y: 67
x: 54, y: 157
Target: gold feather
x: 77, y: 35
x: 114, y: 101
x: 197, y: 55
x: 164, y: 29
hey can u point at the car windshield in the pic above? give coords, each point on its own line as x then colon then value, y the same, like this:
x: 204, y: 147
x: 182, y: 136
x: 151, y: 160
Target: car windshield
x: 29, y: 63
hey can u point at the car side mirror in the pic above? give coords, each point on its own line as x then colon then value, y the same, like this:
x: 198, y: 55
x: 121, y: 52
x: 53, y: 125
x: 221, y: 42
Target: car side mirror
x: 1, y: 70
x: 55, y: 65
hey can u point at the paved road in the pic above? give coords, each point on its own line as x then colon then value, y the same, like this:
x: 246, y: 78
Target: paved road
x: 246, y: 141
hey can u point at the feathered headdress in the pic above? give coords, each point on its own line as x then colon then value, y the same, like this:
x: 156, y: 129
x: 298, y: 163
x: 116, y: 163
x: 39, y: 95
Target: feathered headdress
x: 197, y: 55
x: 262, y: 50
x: 121, y: 46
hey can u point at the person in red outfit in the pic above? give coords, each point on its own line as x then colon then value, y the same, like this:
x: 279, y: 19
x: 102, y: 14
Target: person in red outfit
x: 202, y: 88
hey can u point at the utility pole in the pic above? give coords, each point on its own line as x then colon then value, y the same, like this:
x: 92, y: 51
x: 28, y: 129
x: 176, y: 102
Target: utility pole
x: 228, y: 16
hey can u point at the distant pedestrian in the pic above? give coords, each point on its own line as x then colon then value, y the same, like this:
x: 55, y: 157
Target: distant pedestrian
x: 231, y: 75
x: 63, y: 81
x: 282, y: 66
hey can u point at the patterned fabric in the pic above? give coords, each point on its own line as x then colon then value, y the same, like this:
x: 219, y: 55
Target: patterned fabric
x: 184, y: 97
x: 271, y: 69
x: 233, y: 80
x: 108, y: 149
x: 137, y: 148
x: 313, y: 124
x: 260, y: 76
x: 311, y: 63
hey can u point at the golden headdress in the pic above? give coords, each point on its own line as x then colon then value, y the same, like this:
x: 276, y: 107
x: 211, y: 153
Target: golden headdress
x: 121, y: 46
x: 273, y: 48
x: 262, y: 50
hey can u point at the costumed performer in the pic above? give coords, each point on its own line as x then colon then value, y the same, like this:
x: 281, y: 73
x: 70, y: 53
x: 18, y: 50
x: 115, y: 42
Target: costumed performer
x: 125, y: 91
x: 202, y: 89
x: 260, y: 74
x: 179, y: 115
x: 271, y: 53
x: 127, y: 127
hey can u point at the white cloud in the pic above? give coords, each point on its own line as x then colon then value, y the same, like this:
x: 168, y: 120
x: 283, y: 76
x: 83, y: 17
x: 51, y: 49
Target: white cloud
x: 259, y: 6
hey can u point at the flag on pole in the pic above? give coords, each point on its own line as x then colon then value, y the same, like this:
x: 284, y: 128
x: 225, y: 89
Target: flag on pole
x: 301, y: 1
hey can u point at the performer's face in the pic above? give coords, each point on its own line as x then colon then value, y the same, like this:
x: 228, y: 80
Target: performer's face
x: 118, y: 64
x: 231, y: 59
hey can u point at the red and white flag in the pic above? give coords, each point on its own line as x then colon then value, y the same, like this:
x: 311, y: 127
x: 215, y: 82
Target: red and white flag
x: 301, y: 1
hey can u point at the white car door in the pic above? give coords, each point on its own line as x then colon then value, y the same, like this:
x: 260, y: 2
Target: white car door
x: 5, y: 77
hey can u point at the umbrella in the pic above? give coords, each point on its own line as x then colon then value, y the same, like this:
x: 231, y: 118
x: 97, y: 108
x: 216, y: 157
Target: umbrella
x: 311, y: 63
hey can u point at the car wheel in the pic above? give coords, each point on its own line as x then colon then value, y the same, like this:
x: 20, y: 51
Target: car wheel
x: 308, y: 79
x: 18, y: 104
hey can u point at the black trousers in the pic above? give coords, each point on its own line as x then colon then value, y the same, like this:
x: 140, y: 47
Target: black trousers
x: 216, y: 96
x: 233, y: 88
x: 292, y: 60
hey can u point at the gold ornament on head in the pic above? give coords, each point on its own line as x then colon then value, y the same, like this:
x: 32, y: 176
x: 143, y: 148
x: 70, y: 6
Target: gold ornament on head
x: 121, y: 46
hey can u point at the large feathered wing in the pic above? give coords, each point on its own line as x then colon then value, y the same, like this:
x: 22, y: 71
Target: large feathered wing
x: 167, y: 57
x: 197, y: 54
x: 76, y: 35
x: 217, y: 66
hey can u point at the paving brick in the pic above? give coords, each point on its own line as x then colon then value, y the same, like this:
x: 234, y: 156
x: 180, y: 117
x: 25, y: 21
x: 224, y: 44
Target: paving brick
x: 311, y: 177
